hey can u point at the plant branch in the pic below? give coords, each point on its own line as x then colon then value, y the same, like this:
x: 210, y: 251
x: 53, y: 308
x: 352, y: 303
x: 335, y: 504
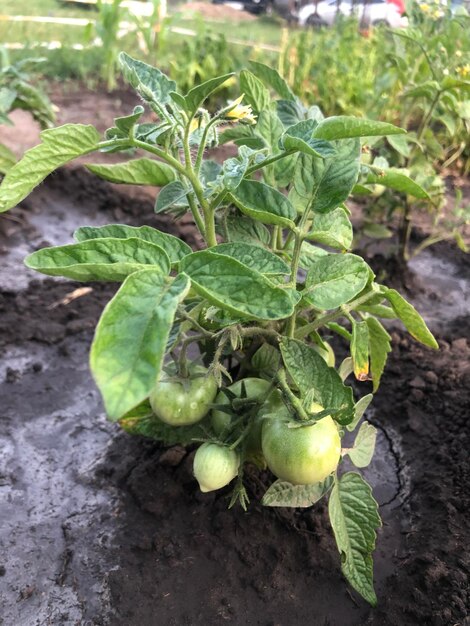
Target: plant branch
x: 329, y: 317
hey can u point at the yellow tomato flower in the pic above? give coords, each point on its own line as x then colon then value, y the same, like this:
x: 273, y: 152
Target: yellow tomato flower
x: 194, y: 125
x: 241, y: 112
x: 464, y: 70
x: 424, y: 7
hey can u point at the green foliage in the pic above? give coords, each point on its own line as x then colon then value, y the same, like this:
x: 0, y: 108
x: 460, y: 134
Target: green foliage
x: 59, y: 146
x: 282, y: 493
x: 137, y: 172
x: 17, y: 92
x: 241, y: 302
x: 131, y: 338
x: 107, y: 29
x: 355, y: 517
x: 107, y: 259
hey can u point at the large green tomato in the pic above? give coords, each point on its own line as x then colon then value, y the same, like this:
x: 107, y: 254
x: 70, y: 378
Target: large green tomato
x: 215, y: 466
x: 304, y: 455
x: 185, y: 402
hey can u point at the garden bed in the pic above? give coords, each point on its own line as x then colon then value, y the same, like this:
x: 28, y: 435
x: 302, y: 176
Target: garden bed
x: 103, y: 528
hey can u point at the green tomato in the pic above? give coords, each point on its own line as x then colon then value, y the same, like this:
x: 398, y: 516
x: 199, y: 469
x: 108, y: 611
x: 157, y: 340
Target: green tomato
x: 256, y: 388
x: 186, y: 401
x: 215, y: 466
x: 301, y: 456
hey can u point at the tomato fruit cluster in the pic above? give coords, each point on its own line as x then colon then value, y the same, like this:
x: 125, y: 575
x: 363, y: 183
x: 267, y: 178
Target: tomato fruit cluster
x: 295, y: 453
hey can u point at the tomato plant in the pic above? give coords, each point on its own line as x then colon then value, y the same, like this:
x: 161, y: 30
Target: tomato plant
x: 275, y: 281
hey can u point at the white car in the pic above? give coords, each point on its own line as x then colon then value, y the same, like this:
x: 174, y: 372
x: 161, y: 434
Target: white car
x: 325, y: 12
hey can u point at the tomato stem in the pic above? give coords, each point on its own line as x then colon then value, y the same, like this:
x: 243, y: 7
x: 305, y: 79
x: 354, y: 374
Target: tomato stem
x: 291, y: 398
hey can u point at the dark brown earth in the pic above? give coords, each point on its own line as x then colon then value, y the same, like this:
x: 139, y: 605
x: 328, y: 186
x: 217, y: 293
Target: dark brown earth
x: 100, y: 528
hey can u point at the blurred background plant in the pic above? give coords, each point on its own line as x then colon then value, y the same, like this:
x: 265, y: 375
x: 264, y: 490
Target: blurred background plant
x: 18, y: 92
x: 107, y: 27
x: 416, y: 77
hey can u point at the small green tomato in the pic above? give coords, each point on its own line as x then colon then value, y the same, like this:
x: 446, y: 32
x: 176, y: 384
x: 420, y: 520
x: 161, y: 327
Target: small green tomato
x: 215, y: 466
x: 255, y: 388
x: 186, y: 401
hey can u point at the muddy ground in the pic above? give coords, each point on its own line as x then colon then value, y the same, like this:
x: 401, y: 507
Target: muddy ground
x: 100, y: 528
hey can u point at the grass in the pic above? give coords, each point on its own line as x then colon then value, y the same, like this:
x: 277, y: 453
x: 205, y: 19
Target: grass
x: 262, y: 30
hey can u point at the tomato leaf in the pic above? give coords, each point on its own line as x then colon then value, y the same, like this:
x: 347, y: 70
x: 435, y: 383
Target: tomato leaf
x: 151, y: 84
x: 235, y: 133
x: 269, y: 128
x: 379, y: 344
x: 196, y: 96
x: 151, y: 427
x: 312, y: 376
x: 359, y: 410
x: 354, y: 517
x: 394, y: 179
x: 290, y: 111
x: 131, y: 338
x: 137, y: 172
x: 266, y: 360
x: 326, y: 183
x: 241, y: 228
x: 99, y: 259
x: 309, y: 255
x: 282, y: 493
x: 264, y: 203
x: 400, y: 144
x: 126, y: 123
x: 233, y: 286
x: 360, y: 350
x: 335, y: 279
x: 173, y: 246
x: 255, y: 257
x: 173, y: 193
x: 378, y: 310
x: 59, y: 146
x: 411, y: 319
x: 255, y: 92
x: 272, y: 78
x: 345, y: 126
x: 332, y: 229
x: 364, y: 445
x: 300, y: 137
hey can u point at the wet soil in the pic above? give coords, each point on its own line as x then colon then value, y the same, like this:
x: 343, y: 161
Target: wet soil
x: 100, y: 528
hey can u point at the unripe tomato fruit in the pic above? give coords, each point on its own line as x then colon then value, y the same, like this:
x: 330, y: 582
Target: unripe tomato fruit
x: 186, y: 402
x: 255, y: 389
x: 304, y: 455
x: 215, y: 466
